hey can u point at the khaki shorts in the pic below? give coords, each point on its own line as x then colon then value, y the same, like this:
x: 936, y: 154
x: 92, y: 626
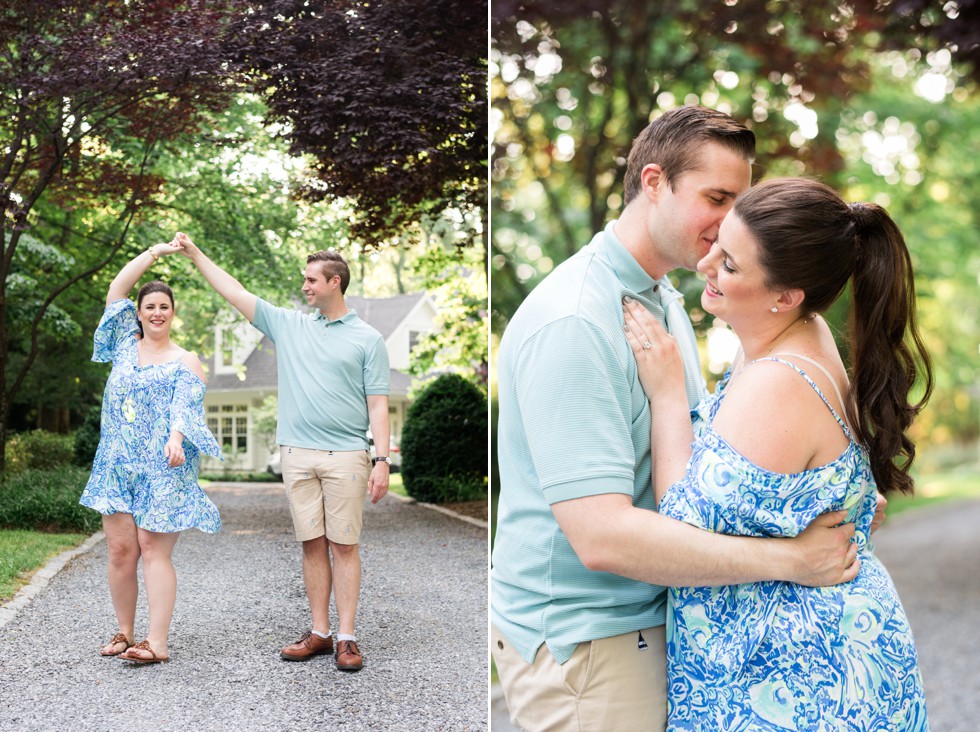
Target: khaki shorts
x: 608, y: 685
x: 326, y: 491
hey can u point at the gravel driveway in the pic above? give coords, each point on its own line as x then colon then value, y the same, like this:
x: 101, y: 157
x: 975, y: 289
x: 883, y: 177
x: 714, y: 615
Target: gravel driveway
x: 422, y: 626
x: 933, y: 555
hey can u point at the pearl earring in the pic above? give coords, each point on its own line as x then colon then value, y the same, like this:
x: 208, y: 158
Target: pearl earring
x: 773, y: 309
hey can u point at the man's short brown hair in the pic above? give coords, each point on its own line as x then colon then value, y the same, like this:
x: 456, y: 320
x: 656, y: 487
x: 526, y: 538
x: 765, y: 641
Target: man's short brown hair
x: 674, y: 139
x: 332, y: 265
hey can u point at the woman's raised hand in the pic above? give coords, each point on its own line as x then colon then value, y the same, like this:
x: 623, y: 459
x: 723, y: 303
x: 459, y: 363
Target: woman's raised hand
x: 163, y: 249
x: 187, y: 247
x: 658, y: 359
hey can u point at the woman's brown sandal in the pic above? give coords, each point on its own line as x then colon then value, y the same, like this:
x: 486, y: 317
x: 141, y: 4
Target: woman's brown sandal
x: 116, y: 640
x: 143, y: 646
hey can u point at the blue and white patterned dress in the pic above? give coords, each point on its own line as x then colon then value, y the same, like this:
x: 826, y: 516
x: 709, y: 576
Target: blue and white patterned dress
x: 140, y: 407
x: 774, y: 655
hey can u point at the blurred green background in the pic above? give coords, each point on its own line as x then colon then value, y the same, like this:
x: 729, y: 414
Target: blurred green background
x: 878, y: 100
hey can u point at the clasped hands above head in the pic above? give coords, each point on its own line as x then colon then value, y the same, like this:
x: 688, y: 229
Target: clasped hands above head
x: 180, y: 243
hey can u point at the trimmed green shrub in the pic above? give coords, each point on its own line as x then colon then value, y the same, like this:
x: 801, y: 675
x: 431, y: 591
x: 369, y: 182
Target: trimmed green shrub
x: 87, y: 437
x: 46, y: 500
x: 39, y: 450
x: 444, y: 442
x: 241, y: 477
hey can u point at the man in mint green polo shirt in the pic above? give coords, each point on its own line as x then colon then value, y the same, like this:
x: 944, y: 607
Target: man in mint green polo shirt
x: 333, y: 385
x: 580, y: 557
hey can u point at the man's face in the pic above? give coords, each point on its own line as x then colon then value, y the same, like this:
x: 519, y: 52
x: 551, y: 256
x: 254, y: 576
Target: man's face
x: 317, y: 288
x: 689, y: 210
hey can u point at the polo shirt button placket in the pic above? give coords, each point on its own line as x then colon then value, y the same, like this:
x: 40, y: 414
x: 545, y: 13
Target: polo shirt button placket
x: 654, y: 296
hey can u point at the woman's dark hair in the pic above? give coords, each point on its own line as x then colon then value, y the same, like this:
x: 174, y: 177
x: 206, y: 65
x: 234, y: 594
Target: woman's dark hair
x: 148, y: 289
x: 811, y: 239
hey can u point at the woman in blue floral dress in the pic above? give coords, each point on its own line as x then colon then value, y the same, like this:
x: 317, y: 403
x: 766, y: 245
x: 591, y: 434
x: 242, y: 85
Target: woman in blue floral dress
x: 144, y: 477
x: 786, y: 437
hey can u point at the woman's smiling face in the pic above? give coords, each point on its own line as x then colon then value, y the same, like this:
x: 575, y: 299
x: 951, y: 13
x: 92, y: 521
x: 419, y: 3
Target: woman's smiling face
x: 736, y: 284
x: 156, y: 313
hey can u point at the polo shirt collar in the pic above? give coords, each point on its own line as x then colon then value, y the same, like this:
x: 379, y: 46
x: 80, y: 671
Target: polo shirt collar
x: 347, y: 317
x: 629, y: 271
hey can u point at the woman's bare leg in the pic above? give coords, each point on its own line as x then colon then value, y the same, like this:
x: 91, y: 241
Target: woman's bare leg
x: 124, y: 554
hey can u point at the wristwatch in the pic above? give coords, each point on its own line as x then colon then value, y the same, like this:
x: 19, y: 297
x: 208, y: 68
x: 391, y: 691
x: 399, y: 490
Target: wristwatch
x: 381, y: 459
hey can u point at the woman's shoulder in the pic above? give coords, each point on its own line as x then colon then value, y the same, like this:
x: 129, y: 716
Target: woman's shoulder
x: 766, y: 415
x: 762, y: 385
x: 193, y: 364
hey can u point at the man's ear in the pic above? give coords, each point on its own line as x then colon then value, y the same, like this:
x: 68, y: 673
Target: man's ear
x: 651, y: 179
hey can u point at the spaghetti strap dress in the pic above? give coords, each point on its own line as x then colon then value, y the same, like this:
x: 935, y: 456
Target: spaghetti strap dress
x: 774, y: 656
x: 140, y: 407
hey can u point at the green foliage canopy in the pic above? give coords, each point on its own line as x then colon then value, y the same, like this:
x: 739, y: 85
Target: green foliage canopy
x: 862, y: 96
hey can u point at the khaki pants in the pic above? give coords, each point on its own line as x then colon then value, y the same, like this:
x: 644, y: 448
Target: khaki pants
x: 326, y: 491
x: 608, y: 685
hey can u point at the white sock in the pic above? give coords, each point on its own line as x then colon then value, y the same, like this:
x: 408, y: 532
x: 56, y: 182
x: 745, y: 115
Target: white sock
x: 346, y: 636
x: 322, y: 635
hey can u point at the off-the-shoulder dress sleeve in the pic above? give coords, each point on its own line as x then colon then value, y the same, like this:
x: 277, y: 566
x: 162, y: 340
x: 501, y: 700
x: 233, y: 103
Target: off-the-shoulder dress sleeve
x: 724, y: 492
x: 118, y: 326
x: 187, y: 413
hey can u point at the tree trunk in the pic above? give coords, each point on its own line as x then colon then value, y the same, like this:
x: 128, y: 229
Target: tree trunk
x: 485, y: 235
x: 4, y: 399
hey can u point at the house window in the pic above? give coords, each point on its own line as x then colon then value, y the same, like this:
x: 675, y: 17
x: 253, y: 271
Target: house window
x: 229, y: 424
x: 228, y: 346
x: 413, y: 338
x: 233, y: 345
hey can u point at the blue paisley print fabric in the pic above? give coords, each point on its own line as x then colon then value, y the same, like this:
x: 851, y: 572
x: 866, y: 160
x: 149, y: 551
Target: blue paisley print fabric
x: 140, y: 406
x: 778, y: 656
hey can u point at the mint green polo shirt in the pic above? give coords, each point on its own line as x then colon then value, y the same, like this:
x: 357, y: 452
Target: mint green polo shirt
x: 327, y: 369
x: 574, y: 422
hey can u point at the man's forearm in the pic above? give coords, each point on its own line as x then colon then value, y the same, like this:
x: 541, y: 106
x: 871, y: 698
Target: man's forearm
x: 688, y: 556
x: 225, y: 285
x: 609, y: 534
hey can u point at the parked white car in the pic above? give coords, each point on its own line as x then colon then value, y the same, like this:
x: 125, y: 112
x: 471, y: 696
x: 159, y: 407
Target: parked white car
x: 274, y: 465
x: 394, y: 452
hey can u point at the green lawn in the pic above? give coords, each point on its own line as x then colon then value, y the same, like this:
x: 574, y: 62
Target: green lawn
x: 395, y: 484
x: 934, y: 488
x: 24, y: 552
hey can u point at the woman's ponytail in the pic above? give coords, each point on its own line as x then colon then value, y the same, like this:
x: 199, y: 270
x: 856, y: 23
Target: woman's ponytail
x: 887, y: 352
x: 810, y: 238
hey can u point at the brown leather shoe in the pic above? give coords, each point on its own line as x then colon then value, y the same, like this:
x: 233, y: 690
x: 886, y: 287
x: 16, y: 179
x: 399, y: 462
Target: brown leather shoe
x: 349, y: 656
x: 307, y: 647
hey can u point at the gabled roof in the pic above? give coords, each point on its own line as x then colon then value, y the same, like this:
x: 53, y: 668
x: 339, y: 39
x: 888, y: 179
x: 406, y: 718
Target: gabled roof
x: 262, y: 372
x: 383, y: 314
x: 386, y: 313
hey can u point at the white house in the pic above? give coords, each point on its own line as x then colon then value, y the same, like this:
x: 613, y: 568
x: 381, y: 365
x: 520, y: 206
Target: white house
x: 234, y: 393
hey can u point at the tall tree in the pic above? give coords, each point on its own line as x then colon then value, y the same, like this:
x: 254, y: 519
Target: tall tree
x: 877, y: 98
x: 92, y: 94
x: 388, y: 97
x: 576, y: 82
